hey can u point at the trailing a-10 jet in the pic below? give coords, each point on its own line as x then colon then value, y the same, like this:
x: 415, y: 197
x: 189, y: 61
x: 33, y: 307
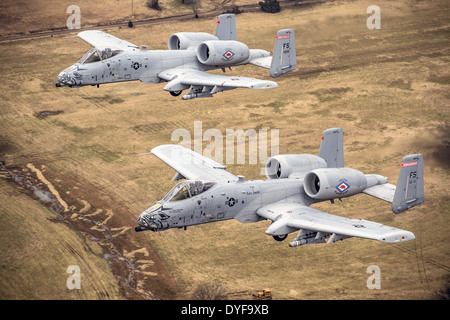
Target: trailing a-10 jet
x: 294, y: 182
x: 184, y: 65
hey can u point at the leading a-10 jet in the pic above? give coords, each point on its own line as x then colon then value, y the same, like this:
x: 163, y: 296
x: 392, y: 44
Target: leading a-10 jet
x: 294, y: 182
x: 184, y: 65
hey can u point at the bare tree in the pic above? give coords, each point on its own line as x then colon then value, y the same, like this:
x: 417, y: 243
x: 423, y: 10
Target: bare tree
x: 194, y: 4
x: 153, y: 4
x: 209, y: 291
x: 271, y: 6
x: 220, y: 3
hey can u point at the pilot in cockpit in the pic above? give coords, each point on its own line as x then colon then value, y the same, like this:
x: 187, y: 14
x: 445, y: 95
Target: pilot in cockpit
x: 187, y: 189
x: 96, y: 54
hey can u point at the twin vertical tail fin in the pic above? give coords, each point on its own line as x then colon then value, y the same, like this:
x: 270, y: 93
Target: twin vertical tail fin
x: 332, y: 147
x: 284, y: 57
x: 409, y: 191
x: 226, y: 27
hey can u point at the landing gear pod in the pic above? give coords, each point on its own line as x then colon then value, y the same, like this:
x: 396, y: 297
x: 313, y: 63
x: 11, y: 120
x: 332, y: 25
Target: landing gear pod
x: 280, y: 238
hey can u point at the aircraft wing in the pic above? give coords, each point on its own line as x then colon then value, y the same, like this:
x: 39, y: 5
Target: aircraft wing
x: 289, y: 217
x: 100, y: 39
x: 191, y: 165
x: 191, y: 77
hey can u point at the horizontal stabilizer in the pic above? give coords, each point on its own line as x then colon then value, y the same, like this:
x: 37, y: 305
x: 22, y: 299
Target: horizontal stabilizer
x: 382, y: 191
x: 264, y: 62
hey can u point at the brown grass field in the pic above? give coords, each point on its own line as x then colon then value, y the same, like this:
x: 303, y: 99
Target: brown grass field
x: 72, y: 189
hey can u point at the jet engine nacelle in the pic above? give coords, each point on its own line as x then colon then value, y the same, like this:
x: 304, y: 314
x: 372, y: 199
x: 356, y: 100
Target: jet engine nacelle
x: 282, y: 166
x: 222, y: 53
x: 331, y: 183
x: 184, y: 40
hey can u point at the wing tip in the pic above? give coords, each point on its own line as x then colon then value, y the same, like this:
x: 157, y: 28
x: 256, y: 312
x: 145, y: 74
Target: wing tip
x: 264, y: 85
x: 397, y: 236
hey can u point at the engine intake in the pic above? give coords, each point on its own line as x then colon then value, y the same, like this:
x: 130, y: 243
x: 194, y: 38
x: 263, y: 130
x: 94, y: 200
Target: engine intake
x: 284, y: 166
x: 222, y: 53
x: 331, y: 183
x: 184, y: 40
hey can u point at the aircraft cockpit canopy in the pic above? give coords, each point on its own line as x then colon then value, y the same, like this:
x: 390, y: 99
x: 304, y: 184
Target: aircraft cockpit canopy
x: 96, y: 54
x: 187, y: 189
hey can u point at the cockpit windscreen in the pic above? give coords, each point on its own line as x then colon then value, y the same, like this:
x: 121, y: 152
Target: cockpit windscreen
x: 187, y: 189
x: 95, y: 55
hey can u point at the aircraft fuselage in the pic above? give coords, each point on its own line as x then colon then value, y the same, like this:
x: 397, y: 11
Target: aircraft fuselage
x: 237, y: 199
x: 137, y: 64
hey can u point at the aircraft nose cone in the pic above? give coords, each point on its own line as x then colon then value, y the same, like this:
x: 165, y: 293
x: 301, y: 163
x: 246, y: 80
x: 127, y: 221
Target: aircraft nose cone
x: 70, y: 77
x: 142, y: 221
x: 64, y: 78
x: 146, y: 221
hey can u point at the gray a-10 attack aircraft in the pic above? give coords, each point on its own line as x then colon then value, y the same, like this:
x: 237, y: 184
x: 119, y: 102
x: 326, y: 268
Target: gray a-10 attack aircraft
x: 294, y: 182
x: 183, y: 66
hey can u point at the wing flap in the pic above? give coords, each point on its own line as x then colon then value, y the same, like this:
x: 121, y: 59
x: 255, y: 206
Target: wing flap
x: 192, y: 165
